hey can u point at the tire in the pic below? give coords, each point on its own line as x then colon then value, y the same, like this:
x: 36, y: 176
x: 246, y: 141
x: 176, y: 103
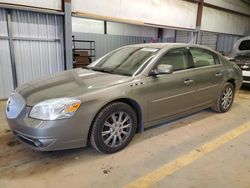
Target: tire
x: 113, y: 128
x: 225, y: 100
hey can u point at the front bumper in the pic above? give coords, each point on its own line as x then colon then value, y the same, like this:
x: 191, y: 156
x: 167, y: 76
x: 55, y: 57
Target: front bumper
x: 49, y: 135
x: 246, y: 77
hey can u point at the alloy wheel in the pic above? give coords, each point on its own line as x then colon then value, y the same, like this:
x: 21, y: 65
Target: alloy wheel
x: 116, y: 129
x: 227, y: 98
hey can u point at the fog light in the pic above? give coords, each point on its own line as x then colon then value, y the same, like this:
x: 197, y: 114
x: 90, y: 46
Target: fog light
x: 38, y: 143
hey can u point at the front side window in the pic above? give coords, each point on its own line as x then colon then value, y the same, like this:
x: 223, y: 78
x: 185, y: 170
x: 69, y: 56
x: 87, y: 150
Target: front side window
x: 125, y: 61
x: 203, y: 57
x: 176, y: 58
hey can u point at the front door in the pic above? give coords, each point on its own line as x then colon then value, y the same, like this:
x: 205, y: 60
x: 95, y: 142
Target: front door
x: 170, y: 94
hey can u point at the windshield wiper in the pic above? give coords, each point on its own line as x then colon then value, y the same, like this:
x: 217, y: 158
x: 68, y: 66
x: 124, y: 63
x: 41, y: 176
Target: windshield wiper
x: 100, y: 69
x: 107, y: 70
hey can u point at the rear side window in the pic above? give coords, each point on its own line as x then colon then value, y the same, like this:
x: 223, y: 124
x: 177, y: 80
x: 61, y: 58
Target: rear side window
x: 203, y: 57
x: 176, y: 58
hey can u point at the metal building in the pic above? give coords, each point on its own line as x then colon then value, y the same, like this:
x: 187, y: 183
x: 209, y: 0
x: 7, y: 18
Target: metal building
x: 36, y: 36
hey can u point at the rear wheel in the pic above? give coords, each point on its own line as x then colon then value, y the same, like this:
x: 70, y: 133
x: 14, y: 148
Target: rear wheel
x: 113, y: 128
x: 225, y: 100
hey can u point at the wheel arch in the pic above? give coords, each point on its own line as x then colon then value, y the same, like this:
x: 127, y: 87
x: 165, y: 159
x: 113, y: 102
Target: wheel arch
x: 232, y: 81
x: 132, y: 103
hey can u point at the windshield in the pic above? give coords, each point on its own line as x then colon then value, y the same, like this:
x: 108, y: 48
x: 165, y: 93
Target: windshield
x: 125, y: 61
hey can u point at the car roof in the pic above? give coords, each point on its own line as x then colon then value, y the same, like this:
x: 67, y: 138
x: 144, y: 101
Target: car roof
x: 168, y: 45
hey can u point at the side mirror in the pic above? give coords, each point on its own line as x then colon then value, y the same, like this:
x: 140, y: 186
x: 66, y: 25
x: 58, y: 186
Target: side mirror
x: 162, y: 69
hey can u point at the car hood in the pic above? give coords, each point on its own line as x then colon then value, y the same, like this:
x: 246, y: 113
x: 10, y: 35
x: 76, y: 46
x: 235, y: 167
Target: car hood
x: 72, y: 83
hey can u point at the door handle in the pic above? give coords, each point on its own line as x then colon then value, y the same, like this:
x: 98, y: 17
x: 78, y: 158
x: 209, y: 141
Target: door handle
x: 188, y: 82
x: 218, y: 74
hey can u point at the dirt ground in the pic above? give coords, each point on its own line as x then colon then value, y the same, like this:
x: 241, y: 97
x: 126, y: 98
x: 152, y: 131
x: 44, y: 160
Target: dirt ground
x: 22, y: 167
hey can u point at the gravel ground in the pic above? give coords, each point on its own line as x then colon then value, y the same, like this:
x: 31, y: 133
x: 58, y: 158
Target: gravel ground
x: 3, y: 123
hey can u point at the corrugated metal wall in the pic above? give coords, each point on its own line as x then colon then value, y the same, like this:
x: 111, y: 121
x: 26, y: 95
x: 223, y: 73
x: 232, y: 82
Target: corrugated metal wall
x: 106, y: 43
x: 3, y: 23
x: 37, y: 44
x: 225, y: 43
x: 182, y: 36
x: 168, y: 35
x: 219, y: 21
x: 130, y: 30
x: 208, y: 39
x: 37, y: 47
x: 6, y: 81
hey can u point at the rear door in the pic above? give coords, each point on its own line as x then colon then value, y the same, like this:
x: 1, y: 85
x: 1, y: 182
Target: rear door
x: 207, y: 75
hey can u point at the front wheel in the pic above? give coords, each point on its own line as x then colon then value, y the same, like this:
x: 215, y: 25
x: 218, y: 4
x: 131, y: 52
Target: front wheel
x: 225, y: 100
x: 113, y: 128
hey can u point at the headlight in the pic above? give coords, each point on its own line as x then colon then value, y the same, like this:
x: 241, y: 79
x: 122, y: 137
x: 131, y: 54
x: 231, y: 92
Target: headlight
x: 55, y: 109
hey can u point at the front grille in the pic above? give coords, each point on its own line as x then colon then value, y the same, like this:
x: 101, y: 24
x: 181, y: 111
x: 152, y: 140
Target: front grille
x: 35, y: 142
x: 244, y: 66
x: 15, y: 105
x: 246, y: 78
x: 25, y: 139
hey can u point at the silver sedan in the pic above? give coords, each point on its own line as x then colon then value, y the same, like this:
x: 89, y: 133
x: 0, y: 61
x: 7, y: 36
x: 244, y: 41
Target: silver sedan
x: 127, y: 90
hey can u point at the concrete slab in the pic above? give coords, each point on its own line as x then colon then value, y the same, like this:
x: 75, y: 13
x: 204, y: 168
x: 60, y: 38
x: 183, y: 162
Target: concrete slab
x: 226, y: 167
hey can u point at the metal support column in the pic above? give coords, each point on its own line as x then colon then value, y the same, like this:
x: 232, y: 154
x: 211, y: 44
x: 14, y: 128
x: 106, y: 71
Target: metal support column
x: 192, y: 36
x: 159, y: 34
x: 105, y: 27
x: 217, y: 41
x: 67, y: 24
x: 12, y: 58
x: 198, y: 20
x: 175, y: 35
